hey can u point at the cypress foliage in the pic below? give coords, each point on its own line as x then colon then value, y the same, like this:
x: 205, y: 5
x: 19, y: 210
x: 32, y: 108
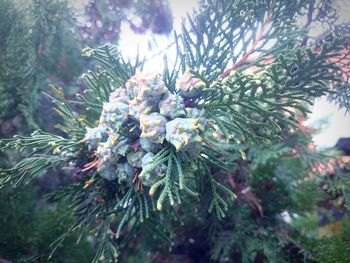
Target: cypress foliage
x: 207, y: 151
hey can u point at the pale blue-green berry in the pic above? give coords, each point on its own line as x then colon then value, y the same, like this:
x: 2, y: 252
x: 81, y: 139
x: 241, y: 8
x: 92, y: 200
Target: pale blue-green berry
x: 111, y: 115
x: 125, y: 172
x: 107, y: 171
x: 119, y: 94
x: 154, y: 90
x: 132, y: 86
x: 153, y: 127
x: 137, y: 108
x: 172, y: 106
x: 197, y: 114
x: 135, y: 158
x: 148, y: 88
x: 149, y: 146
x: 106, y: 151
x: 111, y: 150
x: 95, y: 135
x: 119, y: 143
x: 183, y: 133
x: 119, y: 99
x: 188, y: 85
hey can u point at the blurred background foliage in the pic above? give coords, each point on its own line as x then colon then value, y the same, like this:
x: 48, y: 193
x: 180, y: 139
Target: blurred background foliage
x: 39, y: 47
x: 41, y: 42
x: 29, y: 225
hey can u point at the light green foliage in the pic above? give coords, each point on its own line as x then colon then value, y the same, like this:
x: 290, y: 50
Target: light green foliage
x: 327, y: 249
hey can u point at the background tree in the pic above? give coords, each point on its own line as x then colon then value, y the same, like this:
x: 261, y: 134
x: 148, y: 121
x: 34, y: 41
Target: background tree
x: 104, y: 19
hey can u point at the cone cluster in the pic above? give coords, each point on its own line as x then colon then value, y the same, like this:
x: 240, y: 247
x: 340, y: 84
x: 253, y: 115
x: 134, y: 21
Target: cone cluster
x: 158, y: 118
